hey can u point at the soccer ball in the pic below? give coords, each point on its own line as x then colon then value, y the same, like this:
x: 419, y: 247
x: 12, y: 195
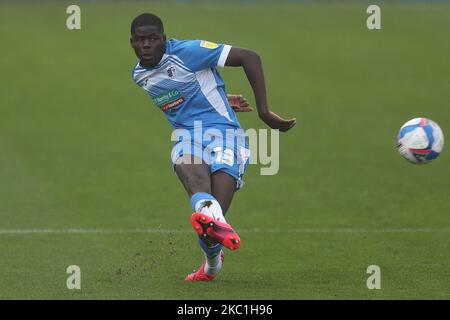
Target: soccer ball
x: 420, y: 140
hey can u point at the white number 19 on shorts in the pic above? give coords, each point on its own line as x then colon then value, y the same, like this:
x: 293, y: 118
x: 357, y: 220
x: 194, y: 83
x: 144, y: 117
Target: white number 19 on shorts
x: 224, y: 156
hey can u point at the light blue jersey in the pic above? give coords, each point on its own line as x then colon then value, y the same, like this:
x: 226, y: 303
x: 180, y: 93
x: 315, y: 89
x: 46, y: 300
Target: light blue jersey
x: 186, y: 85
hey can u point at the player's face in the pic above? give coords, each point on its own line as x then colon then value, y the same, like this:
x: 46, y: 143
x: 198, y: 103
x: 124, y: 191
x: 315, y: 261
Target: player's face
x: 149, y: 44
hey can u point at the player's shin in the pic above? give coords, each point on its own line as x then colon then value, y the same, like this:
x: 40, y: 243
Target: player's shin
x: 212, y: 254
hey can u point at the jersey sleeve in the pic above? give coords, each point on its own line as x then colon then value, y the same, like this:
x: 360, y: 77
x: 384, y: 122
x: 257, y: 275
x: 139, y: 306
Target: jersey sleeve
x: 200, y: 54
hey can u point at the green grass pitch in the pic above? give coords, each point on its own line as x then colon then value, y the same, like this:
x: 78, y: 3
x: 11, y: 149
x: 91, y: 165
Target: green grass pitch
x: 82, y: 147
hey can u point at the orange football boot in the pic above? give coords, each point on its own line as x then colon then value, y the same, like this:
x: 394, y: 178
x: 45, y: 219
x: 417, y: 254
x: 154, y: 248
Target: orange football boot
x: 201, y: 275
x: 220, y: 231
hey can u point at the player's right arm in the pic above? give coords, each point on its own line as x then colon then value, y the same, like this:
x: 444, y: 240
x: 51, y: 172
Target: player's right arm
x: 251, y: 62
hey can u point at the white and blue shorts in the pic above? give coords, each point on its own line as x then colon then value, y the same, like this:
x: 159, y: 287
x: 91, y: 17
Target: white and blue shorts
x: 222, y: 149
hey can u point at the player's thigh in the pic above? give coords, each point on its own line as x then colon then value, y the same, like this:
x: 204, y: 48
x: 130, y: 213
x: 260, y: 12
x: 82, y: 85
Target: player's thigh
x: 193, y: 173
x: 223, y: 187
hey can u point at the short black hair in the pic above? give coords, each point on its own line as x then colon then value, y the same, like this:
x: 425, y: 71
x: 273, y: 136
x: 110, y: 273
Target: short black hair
x: 147, y: 19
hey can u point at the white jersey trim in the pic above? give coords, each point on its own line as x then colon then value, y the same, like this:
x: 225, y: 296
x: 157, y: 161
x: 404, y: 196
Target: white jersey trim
x: 208, y: 85
x: 223, y: 56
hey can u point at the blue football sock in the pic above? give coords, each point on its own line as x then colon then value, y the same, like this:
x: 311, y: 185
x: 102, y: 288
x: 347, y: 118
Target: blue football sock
x: 210, y: 252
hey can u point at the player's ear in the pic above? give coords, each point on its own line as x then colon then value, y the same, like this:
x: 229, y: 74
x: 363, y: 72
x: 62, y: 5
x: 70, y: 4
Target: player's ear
x: 131, y: 42
x: 164, y: 37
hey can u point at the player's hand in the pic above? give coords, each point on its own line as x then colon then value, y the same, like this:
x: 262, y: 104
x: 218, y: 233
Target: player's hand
x: 239, y: 103
x: 276, y: 122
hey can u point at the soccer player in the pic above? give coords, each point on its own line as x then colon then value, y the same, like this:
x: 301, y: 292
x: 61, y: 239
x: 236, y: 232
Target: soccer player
x: 182, y: 79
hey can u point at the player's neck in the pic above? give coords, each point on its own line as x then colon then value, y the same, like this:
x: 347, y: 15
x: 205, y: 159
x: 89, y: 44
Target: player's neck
x: 143, y: 64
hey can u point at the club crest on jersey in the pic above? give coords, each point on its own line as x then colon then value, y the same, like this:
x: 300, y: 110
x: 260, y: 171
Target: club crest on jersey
x: 208, y: 45
x: 171, y: 72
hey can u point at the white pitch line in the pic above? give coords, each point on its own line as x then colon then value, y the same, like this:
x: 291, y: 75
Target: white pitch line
x: 243, y: 231
x: 89, y: 231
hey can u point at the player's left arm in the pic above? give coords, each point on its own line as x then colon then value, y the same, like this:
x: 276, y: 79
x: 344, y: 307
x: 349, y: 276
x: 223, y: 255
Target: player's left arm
x: 252, y: 64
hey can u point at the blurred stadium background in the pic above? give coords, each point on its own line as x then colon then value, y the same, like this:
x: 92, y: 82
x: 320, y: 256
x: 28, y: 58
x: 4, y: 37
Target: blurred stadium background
x: 85, y: 176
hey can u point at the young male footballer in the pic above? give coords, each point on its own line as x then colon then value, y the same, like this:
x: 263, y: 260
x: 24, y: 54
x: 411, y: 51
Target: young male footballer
x: 210, y: 154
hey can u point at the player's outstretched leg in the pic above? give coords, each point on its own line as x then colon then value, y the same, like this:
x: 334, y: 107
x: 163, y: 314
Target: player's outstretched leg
x: 209, y: 218
x: 197, y: 181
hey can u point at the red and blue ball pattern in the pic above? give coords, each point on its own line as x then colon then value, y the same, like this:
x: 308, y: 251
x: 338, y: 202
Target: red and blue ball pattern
x: 420, y: 140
